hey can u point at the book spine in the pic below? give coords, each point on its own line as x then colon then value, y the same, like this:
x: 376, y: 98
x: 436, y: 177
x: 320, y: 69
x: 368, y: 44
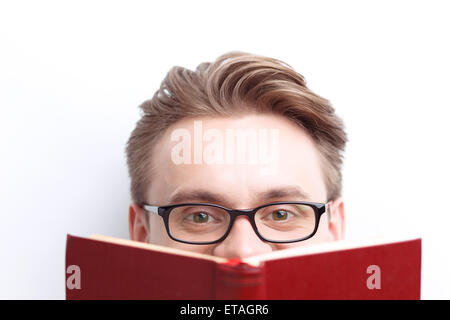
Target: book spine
x: 236, y: 280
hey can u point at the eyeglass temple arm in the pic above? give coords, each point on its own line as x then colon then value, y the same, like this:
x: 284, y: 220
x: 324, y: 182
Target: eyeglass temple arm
x: 328, y: 209
x: 149, y: 208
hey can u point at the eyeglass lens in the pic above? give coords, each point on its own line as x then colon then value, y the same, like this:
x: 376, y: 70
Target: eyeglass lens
x: 281, y: 222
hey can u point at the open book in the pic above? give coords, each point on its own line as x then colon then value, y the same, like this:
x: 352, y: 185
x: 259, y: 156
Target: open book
x: 101, y: 267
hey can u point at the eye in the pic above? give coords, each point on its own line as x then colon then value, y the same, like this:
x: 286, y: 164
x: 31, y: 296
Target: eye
x: 280, y: 215
x: 200, y: 217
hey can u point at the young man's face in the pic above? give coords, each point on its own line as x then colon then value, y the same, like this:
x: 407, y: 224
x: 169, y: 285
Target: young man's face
x: 193, y: 163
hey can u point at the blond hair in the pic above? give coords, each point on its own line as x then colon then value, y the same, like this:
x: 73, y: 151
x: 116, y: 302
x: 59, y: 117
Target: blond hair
x: 236, y: 83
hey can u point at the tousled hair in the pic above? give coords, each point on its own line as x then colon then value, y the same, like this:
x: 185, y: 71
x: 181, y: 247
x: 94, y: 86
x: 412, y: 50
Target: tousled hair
x: 236, y: 83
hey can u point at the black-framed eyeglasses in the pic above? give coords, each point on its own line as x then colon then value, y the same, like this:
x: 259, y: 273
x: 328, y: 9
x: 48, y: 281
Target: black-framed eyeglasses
x: 276, y: 222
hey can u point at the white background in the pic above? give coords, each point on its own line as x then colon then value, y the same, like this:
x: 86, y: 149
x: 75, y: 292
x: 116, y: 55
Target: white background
x: 72, y: 75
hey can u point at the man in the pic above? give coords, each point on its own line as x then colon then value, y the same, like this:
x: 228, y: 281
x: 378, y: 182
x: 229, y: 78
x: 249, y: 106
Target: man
x: 235, y: 159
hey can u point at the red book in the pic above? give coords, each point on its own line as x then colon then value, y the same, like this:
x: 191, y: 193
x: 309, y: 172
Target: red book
x: 102, y: 267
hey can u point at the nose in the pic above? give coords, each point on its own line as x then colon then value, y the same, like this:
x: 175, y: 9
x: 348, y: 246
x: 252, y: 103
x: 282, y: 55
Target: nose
x: 242, y: 241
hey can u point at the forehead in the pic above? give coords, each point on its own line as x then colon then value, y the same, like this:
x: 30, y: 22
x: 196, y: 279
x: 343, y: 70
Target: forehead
x: 237, y: 158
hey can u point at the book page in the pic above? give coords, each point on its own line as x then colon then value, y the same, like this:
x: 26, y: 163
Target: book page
x: 323, y: 247
x: 154, y: 247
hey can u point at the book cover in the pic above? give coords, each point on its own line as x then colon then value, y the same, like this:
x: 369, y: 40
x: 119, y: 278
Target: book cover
x: 101, y: 267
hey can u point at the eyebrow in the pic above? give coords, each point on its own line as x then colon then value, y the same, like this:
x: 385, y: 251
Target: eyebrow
x: 293, y: 192
x: 195, y: 195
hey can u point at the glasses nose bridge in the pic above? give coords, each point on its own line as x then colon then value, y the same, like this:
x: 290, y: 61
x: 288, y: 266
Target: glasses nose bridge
x: 244, y: 212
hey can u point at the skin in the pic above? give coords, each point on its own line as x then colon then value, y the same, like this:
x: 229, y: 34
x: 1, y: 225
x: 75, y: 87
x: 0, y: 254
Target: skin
x: 238, y: 186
